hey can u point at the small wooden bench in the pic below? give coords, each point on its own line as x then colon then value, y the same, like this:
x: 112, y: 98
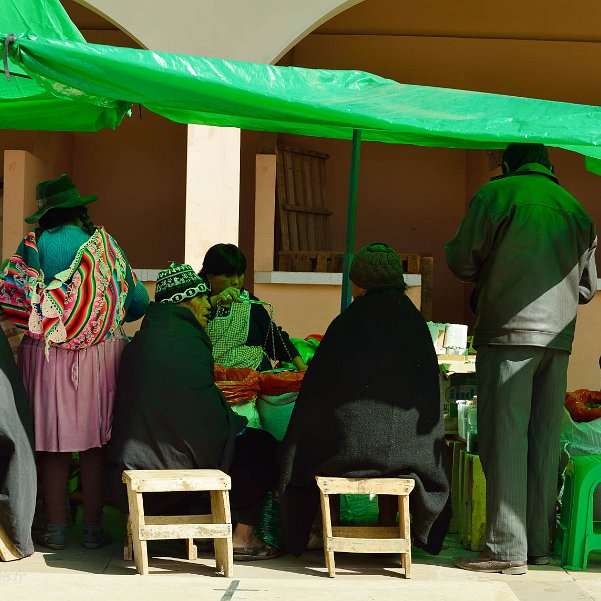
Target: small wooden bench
x: 366, y: 539
x: 216, y: 525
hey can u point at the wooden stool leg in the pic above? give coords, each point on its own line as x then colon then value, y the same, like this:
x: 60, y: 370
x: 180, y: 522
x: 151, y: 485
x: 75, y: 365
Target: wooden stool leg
x: 136, y: 515
x: 128, y: 553
x: 224, y: 550
x: 405, y: 529
x: 327, y: 533
x: 192, y: 549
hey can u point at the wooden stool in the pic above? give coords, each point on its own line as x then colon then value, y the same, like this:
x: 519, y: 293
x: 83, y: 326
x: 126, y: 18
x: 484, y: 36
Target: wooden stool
x: 216, y: 525
x: 366, y: 539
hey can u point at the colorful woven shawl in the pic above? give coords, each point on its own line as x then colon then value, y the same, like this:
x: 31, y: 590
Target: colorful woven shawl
x: 82, y: 306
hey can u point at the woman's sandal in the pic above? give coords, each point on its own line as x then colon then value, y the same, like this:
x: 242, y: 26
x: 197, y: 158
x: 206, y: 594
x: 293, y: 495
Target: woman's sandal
x: 256, y: 553
x: 54, y: 537
x: 94, y: 537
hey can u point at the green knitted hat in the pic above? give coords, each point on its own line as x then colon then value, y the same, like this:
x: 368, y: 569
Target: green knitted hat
x: 377, y: 267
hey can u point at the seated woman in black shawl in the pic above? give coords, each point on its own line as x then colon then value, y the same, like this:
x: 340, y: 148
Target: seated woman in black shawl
x: 170, y: 415
x: 369, y: 406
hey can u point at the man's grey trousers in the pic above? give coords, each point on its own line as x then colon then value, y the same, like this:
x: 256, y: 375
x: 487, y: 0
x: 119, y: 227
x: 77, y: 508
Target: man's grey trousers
x: 521, y: 392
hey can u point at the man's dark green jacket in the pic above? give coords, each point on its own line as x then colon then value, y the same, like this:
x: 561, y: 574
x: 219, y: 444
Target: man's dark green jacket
x: 530, y: 247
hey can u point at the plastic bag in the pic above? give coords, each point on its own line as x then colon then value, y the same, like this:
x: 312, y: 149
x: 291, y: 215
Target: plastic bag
x: 306, y: 348
x: 239, y: 385
x: 276, y: 383
x: 269, y: 528
x: 584, y: 405
x: 359, y: 510
x: 250, y: 412
x: 275, y: 412
x: 581, y: 438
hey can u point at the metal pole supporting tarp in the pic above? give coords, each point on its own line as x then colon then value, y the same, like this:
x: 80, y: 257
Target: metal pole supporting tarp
x: 349, y: 253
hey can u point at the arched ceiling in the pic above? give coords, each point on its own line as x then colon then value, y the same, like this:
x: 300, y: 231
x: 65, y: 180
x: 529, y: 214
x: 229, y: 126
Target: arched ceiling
x: 258, y: 31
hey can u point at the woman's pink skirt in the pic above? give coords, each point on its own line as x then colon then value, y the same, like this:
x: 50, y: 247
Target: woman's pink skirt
x: 72, y: 394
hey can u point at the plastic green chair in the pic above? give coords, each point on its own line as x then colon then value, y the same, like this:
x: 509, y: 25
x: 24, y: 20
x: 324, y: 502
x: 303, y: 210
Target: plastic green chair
x: 578, y: 533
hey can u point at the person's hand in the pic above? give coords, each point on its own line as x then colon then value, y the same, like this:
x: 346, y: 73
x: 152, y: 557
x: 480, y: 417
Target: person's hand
x: 226, y: 297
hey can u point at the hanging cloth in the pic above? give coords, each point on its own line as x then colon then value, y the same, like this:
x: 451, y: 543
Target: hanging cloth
x: 228, y: 333
x: 82, y: 306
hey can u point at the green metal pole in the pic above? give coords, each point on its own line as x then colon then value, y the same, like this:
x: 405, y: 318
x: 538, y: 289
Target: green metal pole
x: 346, y: 299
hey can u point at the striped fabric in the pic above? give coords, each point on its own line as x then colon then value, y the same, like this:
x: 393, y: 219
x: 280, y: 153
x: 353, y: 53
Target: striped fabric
x: 81, y: 307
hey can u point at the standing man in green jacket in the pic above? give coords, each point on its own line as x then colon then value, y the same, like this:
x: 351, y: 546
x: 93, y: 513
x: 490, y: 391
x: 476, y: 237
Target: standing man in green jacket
x: 530, y: 248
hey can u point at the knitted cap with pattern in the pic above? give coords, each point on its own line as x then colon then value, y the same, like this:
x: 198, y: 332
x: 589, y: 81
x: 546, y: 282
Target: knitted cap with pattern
x: 377, y: 267
x: 179, y: 283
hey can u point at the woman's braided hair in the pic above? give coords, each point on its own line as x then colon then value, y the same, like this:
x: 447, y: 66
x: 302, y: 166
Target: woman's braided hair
x: 86, y: 221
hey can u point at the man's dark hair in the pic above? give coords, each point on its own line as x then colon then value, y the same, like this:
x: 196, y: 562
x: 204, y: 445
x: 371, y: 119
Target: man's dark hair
x: 223, y: 259
x: 518, y: 154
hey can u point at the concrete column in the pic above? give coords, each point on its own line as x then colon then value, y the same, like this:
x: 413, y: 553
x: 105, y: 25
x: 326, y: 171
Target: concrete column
x: 212, y: 189
x: 265, y: 211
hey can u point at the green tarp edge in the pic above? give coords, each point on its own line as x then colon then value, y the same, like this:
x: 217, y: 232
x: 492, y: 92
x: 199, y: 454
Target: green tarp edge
x: 311, y: 102
x: 24, y: 104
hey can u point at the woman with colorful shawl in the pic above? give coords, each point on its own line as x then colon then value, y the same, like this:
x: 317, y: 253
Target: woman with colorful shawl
x: 70, y: 288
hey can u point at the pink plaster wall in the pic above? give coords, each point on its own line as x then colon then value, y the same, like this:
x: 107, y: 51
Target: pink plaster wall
x: 29, y: 157
x: 303, y: 309
x: 139, y: 173
x: 583, y: 371
x: 412, y: 198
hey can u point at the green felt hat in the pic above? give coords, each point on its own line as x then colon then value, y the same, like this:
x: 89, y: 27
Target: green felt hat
x: 59, y: 193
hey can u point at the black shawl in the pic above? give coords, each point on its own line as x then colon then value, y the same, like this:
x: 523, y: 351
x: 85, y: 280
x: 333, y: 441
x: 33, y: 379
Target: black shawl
x: 168, y: 412
x: 18, y: 481
x: 369, y: 406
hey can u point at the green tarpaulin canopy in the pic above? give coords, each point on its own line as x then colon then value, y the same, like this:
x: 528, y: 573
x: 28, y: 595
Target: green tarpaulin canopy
x: 93, y: 85
x: 76, y: 86
x: 26, y: 105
